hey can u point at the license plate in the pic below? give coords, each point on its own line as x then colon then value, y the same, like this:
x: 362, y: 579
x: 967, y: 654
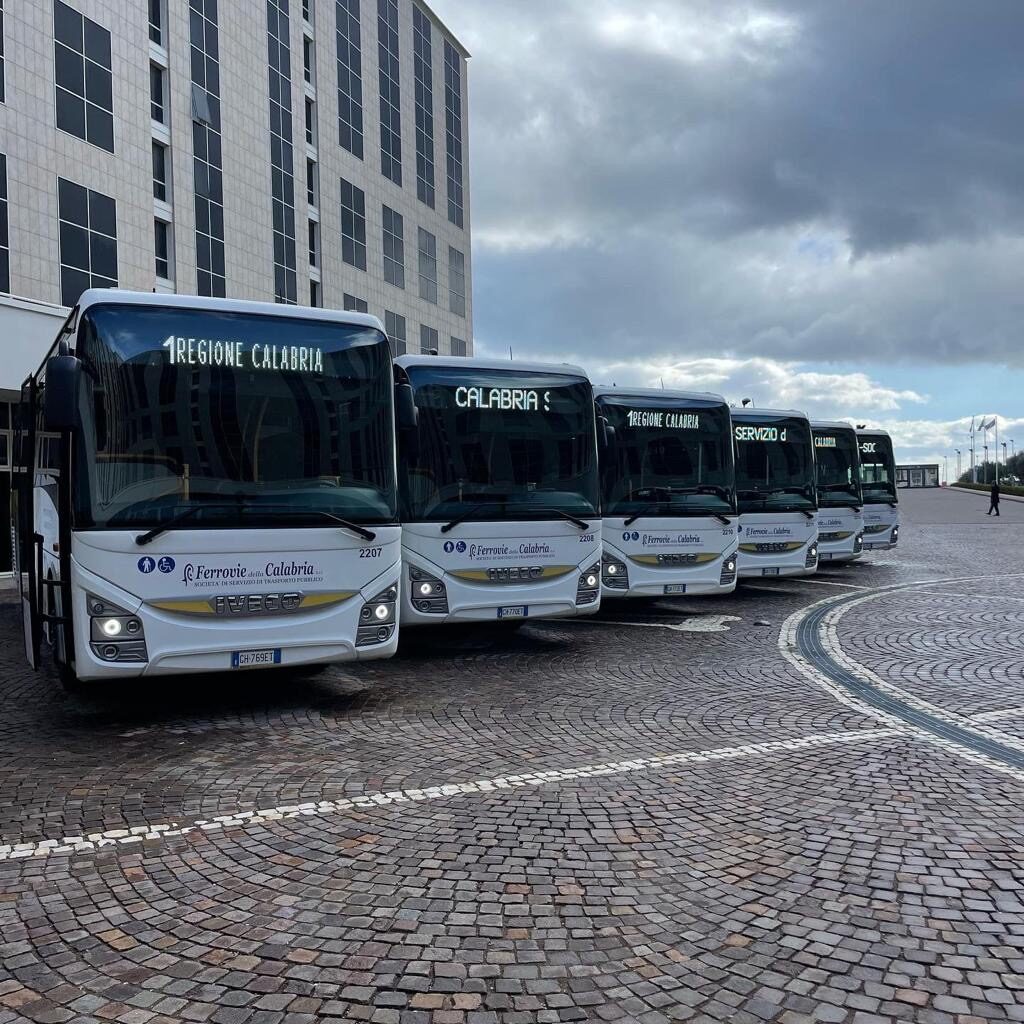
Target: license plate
x: 825, y: 555
x: 515, y: 611
x: 675, y: 588
x: 770, y: 572
x: 256, y: 659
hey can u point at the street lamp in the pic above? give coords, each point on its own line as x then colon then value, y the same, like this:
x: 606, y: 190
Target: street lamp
x: 957, y: 450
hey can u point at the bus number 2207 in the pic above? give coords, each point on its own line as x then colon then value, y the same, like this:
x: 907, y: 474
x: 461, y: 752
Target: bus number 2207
x: 370, y: 552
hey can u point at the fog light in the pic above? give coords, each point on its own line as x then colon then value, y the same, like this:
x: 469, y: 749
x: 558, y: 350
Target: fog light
x: 382, y: 611
x: 591, y: 581
x: 111, y: 627
x: 383, y: 633
x: 730, y: 565
x: 110, y: 652
x: 612, y: 570
x: 426, y: 589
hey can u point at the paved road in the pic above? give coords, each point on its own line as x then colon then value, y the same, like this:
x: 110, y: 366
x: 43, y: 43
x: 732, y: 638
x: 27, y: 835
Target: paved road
x: 763, y: 808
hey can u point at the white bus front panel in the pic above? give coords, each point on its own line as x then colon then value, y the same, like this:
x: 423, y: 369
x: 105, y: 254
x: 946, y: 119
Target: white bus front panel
x: 668, y: 556
x: 881, y: 527
x: 777, y: 544
x: 211, y: 600
x: 498, y: 571
x: 840, y: 534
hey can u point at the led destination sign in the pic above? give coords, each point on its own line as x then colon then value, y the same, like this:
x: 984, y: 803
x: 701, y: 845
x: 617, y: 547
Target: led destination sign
x: 258, y: 356
x: 869, y: 447
x: 762, y: 433
x: 663, y: 418
x: 824, y: 441
x: 523, y: 399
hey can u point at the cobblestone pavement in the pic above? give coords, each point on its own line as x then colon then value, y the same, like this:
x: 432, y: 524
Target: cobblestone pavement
x: 671, y: 814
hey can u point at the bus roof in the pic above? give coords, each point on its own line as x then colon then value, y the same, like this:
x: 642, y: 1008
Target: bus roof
x: 489, y: 364
x: 602, y: 390
x: 831, y: 425
x: 756, y: 413
x: 108, y: 296
x: 878, y: 432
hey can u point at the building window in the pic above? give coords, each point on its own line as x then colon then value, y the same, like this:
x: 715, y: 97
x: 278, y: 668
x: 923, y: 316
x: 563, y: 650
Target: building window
x: 453, y: 130
x: 162, y: 239
x: 314, y: 244
x: 5, y: 244
x: 307, y: 12
x: 353, y: 225
x: 282, y: 161
x: 390, y: 91
x: 206, y: 146
x: 314, y: 293
x: 312, y: 189
x: 428, y: 340
x: 423, y: 69
x: 428, y: 266
x: 310, y: 122
x: 156, y: 93
x: 307, y: 59
x: 3, y: 66
x: 81, y: 52
x: 458, y: 346
x: 394, y: 248
x: 160, y: 190
x: 350, y: 76
x: 156, y: 21
x: 351, y: 304
x: 394, y: 328
x: 88, y: 240
x: 456, y: 281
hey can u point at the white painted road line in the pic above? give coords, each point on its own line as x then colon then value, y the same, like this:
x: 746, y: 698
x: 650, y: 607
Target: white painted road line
x: 995, y: 716
x: 828, y: 583
x: 323, y: 808
x: 702, y: 624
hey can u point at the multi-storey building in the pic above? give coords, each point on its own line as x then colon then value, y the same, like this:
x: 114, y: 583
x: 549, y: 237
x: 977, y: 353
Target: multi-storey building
x: 299, y: 151
x: 309, y: 151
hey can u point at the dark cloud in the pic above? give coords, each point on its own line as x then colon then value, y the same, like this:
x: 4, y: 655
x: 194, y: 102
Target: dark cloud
x: 823, y: 180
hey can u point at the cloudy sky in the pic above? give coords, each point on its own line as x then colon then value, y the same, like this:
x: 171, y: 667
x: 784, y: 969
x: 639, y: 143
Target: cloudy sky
x: 817, y: 204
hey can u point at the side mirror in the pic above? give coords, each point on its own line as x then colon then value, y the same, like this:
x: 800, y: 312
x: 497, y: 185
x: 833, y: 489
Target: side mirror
x: 605, y: 433
x: 408, y: 422
x: 405, y: 408
x: 60, y: 396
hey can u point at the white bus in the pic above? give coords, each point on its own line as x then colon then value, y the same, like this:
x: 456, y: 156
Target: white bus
x: 498, y: 482
x: 776, y: 493
x: 878, y: 482
x: 207, y: 484
x: 840, y: 502
x: 668, y: 493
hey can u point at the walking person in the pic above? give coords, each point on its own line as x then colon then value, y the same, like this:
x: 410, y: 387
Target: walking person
x: 993, y: 500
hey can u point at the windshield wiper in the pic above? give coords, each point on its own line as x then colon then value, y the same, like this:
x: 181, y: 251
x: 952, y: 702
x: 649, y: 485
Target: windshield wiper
x: 345, y: 524
x: 565, y: 515
x: 145, y: 538
x: 241, y: 507
x: 470, y: 512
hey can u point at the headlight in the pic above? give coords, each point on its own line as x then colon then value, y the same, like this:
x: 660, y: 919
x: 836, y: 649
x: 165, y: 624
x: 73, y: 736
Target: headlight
x: 114, y: 633
x: 614, y: 574
x: 380, y: 616
x: 428, y: 592
x: 587, y: 588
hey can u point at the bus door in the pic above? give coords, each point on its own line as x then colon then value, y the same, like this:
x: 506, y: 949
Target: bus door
x: 26, y: 548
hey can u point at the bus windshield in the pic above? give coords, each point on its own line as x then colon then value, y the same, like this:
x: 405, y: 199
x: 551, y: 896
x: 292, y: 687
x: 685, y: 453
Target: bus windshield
x: 500, y: 445
x: 235, y: 419
x: 835, y: 454
x: 877, y: 468
x: 774, y: 464
x: 669, y: 457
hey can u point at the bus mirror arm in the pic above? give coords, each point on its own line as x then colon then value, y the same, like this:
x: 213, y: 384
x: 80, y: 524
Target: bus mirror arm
x: 61, y: 393
x: 605, y: 433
